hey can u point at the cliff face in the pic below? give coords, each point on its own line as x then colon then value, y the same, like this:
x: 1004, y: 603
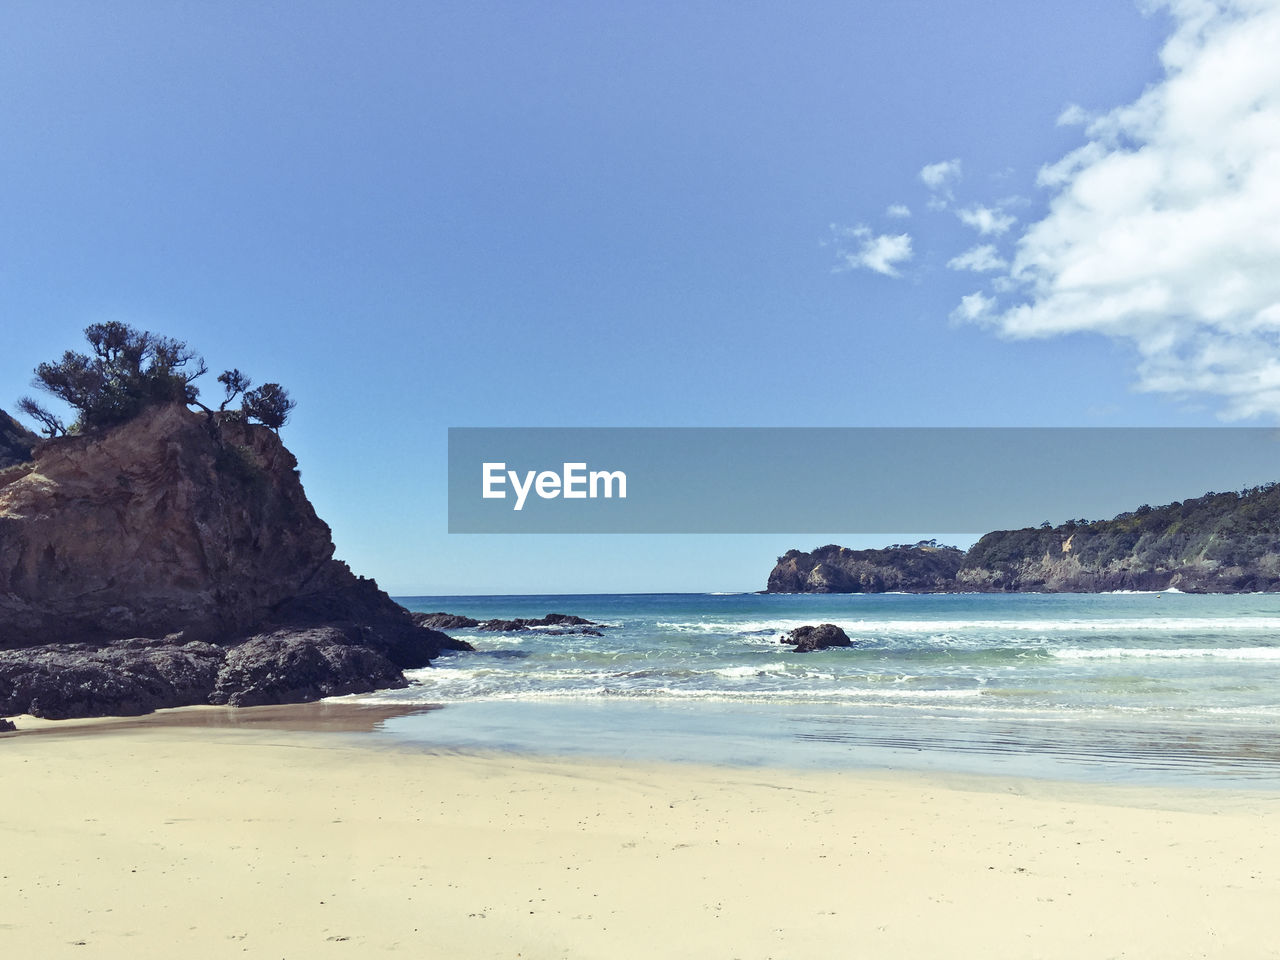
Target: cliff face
x: 1218, y: 543
x: 173, y: 521
x: 922, y: 568
x: 193, y: 533
x: 16, y: 441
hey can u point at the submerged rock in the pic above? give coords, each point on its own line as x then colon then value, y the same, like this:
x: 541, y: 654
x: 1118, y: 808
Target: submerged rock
x: 810, y: 638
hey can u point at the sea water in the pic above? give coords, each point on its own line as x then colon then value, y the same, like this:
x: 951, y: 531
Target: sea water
x: 1134, y: 688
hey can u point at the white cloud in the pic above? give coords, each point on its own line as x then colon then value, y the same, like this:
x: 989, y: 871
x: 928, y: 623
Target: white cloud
x: 1074, y: 116
x: 860, y: 248
x: 938, y: 177
x: 1163, y: 229
x: 979, y: 259
x: 986, y: 220
x: 899, y: 210
x: 974, y: 308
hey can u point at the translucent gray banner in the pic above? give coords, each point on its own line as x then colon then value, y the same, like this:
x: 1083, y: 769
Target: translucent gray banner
x: 834, y: 480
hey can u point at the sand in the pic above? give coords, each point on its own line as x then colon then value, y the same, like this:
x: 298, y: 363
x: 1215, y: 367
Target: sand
x: 266, y: 838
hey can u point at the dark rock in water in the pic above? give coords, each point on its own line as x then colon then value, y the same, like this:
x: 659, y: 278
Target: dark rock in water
x: 7, y: 726
x: 452, y: 621
x: 288, y: 667
x: 563, y: 624
x: 428, y: 622
x: 446, y: 642
x: 563, y: 620
x: 443, y: 621
x: 809, y: 638
x: 368, y: 617
x: 502, y: 626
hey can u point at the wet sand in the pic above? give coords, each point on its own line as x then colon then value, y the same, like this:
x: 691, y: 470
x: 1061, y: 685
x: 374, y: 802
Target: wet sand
x: 296, y: 832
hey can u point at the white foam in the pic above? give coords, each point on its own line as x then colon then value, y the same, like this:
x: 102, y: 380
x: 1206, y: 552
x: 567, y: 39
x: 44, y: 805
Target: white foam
x: 1172, y: 653
x: 1139, y: 593
x: 1041, y: 625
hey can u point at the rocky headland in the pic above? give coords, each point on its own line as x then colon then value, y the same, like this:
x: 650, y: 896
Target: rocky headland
x: 1217, y: 543
x: 174, y: 559
x: 921, y: 568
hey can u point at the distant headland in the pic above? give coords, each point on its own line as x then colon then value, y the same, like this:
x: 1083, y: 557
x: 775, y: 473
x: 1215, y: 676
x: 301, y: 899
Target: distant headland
x: 1217, y: 543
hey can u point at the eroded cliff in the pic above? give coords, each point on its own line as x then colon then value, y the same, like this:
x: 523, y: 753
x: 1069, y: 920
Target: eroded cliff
x: 176, y: 559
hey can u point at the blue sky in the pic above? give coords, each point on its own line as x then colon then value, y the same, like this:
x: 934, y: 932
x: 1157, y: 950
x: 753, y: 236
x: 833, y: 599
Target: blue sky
x: 418, y: 216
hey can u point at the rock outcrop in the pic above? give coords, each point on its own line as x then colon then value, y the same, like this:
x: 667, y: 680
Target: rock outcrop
x: 444, y: 621
x: 809, y: 638
x: 559, y: 624
x: 920, y: 568
x: 131, y: 677
x: 288, y: 666
x: 175, y: 559
x: 441, y: 640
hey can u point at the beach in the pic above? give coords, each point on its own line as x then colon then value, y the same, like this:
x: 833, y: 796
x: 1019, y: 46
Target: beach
x: 304, y: 832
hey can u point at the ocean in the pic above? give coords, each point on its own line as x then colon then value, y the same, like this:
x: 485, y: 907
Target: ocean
x: 1135, y: 688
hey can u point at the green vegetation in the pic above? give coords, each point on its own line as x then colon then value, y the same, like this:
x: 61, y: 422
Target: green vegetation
x: 1229, y: 529
x: 127, y: 370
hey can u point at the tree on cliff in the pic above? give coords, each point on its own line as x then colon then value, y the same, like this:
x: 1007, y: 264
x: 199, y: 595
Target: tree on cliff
x: 127, y: 370
x: 269, y: 404
x: 124, y: 371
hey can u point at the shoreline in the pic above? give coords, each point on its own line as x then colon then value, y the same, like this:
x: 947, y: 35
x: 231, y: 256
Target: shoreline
x: 274, y: 837
x: 663, y: 734
x: 332, y: 715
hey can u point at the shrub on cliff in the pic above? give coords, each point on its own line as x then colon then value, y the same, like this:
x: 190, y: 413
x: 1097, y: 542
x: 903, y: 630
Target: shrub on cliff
x: 127, y: 370
x: 269, y: 404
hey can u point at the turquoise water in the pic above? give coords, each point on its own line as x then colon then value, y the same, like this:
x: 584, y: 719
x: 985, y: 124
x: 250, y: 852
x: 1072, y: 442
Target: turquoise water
x: 1131, y: 687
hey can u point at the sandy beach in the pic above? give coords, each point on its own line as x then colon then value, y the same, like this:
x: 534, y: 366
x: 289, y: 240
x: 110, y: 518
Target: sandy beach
x: 291, y: 833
